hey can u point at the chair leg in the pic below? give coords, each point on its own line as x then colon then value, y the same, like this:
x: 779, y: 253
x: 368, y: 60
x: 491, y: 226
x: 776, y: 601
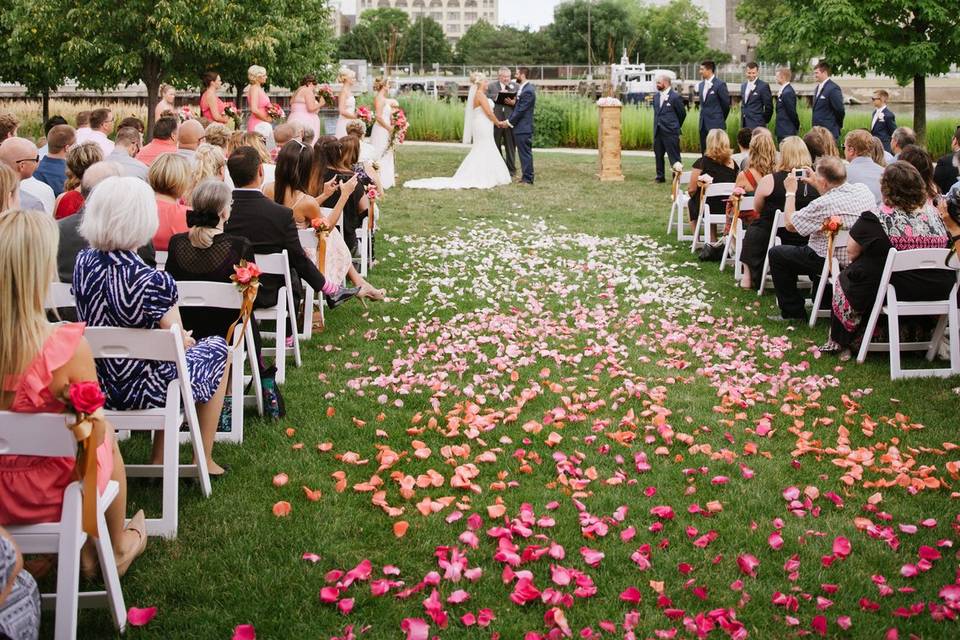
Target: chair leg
x: 68, y: 569
x: 306, y: 329
x: 817, y: 299
x: 108, y: 568
x: 171, y: 471
x: 294, y: 329
x: 253, y: 359
x: 893, y: 326
x: 726, y: 249
x: 696, y: 233
x: 670, y: 218
x: 280, y: 352
x: 236, y: 392
x: 868, y: 332
x: 954, y: 336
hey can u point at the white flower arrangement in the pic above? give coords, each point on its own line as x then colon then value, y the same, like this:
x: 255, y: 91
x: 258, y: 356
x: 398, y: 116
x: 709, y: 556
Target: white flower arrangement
x: 705, y: 179
x: 678, y: 167
x: 609, y: 101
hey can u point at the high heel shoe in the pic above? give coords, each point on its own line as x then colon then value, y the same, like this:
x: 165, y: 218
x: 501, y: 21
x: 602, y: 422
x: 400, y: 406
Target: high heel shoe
x: 138, y: 524
x: 368, y: 291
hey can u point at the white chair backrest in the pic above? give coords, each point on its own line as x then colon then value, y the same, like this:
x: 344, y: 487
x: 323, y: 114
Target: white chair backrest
x: 720, y: 189
x: 779, y: 220
x: 917, y: 259
x: 685, y: 177
x: 164, y: 345
x: 308, y: 238
x: 842, y: 239
x: 161, y: 258
x: 746, y: 203
x: 60, y: 295
x: 36, y: 434
x: 273, y: 263
x: 216, y: 295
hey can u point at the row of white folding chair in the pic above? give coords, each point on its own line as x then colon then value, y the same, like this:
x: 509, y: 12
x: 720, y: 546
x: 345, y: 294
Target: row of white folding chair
x: 223, y: 295
x: 766, y: 281
x: 887, y: 302
x: 283, y: 310
x: 161, y: 345
x: 706, y: 219
x: 161, y: 259
x: 311, y: 299
x: 46, y: 435
x: 828, y: 277
x: 678, y: 209
x: 735, y: 239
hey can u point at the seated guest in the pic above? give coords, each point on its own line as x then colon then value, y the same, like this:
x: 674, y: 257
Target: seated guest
x: 51, y: 122
x: 289, y: 190
x: 270, y: 228
x: 308, y: 137
x: 165, y: 135
x: 189, y: 137
x: 922, y: 161
x: 79, y: 159
x: 9, y: 125
x: 861, y: 169
x: 52, y: 169
x: 877, y: 153
x: 367, y: 156
x: 19, y: 594
x: 115, y: 288
x: 770, y: 197
x: 904, y: 222
x: 743, y: 143
x: 282, y: 134
x: 125, y: 151
x: 902, y: 138
x: 71, y: 242
x: 40, y: 361
x: 135, y: 122
x: 763, y: 154
x: 210, y: 163
x: 259, y: 143
x: 20, y: 155
x: 169, y: 177
x: 716, y: 162
x: 338, y: 160
x: 218, y: 135
x: 945, y: 174
x: 820, y: 143
x: 838, y: 198
x: 9, y: 188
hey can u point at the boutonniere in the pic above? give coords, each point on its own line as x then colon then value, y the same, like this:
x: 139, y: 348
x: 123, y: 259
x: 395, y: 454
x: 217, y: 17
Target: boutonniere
x: 880, y: 117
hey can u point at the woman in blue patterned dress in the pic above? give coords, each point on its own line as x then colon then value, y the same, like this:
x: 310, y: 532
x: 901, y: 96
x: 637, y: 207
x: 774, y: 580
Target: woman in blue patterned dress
x: 115, y: 288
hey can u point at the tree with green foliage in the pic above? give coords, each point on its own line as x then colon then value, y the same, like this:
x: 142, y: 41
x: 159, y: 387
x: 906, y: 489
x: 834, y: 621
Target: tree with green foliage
x: 32, y: 38
x: 607, y: 22
x: 484, y: 43
x: 906, y: 39
x: 424, y: 41
x: 674, y: 32
x: 378, y: 37
x: 757, y: 16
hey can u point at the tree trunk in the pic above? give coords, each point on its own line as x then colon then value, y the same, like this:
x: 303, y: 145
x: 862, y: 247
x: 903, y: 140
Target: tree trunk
x: 920, y: 108
x: 151, y: 78
x: 45, y: 96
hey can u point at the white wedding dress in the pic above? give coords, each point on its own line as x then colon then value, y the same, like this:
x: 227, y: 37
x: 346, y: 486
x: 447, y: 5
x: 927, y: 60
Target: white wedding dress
x: 483, y: 168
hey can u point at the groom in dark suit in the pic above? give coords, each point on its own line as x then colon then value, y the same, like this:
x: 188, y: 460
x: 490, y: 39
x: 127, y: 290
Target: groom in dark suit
x: 521, y: 121
x: 503, y: 136
x: 714, y: 101
x: 756, y: 106
x: 668, y: 116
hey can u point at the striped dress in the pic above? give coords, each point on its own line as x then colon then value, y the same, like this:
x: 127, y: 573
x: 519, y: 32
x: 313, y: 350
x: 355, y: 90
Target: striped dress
x: 20, y: 612
x: 117, y: 289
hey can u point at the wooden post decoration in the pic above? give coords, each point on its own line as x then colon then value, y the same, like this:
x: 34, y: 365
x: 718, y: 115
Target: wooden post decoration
x: 609, y: 141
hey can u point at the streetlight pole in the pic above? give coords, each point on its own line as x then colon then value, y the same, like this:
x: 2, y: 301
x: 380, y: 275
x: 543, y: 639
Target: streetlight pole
x: 589, y: 41
x: 421, y: 41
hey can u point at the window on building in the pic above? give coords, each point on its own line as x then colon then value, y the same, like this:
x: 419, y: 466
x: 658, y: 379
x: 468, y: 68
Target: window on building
x: 470, y: 3
x: 437, y: 15
x: 453, y: 15
x: 453, y: 4
x: 436, y: 3
x: 454, y: 28
x: 470, y: 16
x: 384, y: 4
x: 401, y: 4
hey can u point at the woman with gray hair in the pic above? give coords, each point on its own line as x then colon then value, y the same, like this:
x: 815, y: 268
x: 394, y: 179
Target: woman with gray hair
x: 115, y: 288
x: 207, y: 253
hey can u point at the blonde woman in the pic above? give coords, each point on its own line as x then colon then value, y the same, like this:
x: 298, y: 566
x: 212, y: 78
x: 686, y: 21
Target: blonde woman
x: 218, y: 135
x: 169, y: 177
x: 9, y: 188
x: 769, y: 198
x: 716, y: 162
x: 383, y: 107
x: 259, y: 143
x: 347, y: 103
x: 168, y: 96
x: 483, y: 168
x: 38, y: 361
x: 257, y: 99
x: 763, y: 159
x: 209, y: 162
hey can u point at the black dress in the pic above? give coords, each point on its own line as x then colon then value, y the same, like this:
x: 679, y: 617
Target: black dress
x: 186, y: 262
x: 720, y: 174
x: 352, y: 215
x: 757, y: 236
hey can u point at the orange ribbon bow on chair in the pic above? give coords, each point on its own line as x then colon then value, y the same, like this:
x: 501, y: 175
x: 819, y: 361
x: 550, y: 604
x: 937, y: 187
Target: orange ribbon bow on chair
x: 90, y: 427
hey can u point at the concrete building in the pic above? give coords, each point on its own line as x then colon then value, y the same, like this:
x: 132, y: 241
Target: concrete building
x: 455, y: 16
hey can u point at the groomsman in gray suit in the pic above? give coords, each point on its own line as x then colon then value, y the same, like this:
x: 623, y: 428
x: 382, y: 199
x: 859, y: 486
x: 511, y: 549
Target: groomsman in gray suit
x: 503, y: 136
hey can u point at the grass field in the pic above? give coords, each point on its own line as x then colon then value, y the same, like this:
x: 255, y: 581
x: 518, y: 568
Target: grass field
x: 548, y: 346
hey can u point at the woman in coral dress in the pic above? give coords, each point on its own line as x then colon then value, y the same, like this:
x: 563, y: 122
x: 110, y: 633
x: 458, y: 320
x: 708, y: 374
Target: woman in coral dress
x: 211, y: 106
x: 257, y: 100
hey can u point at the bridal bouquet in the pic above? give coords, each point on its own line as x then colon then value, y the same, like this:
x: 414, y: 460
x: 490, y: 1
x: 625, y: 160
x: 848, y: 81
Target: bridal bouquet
x: 230, y: 110
x: 365, y: 116
x: 275, y: 111
x: 325, y: 93
x: 400, y: 126
x: 185, y: 113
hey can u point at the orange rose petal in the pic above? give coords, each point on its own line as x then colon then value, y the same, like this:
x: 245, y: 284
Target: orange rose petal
x: 400, y: 528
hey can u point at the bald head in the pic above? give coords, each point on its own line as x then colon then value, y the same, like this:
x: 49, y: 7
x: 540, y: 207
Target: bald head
x: 286, y: 132
x: 97, y: 173
x: 191, y: 133
x: 20, y: 155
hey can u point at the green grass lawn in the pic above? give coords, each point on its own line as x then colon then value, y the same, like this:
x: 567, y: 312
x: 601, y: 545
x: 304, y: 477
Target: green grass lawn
x: 561, y: 314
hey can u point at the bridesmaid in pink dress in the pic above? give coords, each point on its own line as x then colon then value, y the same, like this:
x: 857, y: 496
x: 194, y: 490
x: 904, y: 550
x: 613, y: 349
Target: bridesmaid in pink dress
x: 211, y: 106
x: 42, y: 360
x: 304, y: 106
x: 257, y: 100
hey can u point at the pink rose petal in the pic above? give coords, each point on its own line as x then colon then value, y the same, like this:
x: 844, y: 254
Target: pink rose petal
x: 138, y: 617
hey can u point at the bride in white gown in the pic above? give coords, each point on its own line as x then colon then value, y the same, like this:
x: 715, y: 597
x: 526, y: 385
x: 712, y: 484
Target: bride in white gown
x: 483, y: 168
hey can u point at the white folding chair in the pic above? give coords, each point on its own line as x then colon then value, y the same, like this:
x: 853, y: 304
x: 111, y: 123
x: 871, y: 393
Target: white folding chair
x: 736, y: 233
x: 899, y: 261
x: 678, y: 207
x: 60, y: 295
x: 162, y: 345
x: 839, y: 242
x: 277, y: 264
x: 778, y: 223
x: 46, y: 435
x: 707, y: 219
x: 221, y: 295
x: 311, y: 299
x: 161, y: 258
x: 365, y: 240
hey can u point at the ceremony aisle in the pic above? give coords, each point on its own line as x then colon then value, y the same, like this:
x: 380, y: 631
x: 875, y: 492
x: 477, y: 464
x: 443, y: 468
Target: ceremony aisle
x: 560, y: 418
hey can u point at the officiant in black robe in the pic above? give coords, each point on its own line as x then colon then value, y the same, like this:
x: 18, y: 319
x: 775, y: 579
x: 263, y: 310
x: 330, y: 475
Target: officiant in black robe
x: 506, y: 144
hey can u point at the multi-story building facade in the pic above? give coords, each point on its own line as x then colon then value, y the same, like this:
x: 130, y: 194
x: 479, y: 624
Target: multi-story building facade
x: 455, y: 16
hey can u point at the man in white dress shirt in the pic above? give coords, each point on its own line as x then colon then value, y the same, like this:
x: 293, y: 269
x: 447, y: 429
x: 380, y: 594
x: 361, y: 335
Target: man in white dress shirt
x: 21, y: 155
x: 101, y: 125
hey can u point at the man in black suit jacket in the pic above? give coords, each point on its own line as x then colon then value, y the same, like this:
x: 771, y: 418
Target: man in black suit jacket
x: 945, y: 174
x: 756, y: 101
x: 503, y: 136
x: 788, y: 122
x: 714, y: 101
x: 828, y: 111
x: 668, y: 116
x: 884, y: 122
x: 270, y: 229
